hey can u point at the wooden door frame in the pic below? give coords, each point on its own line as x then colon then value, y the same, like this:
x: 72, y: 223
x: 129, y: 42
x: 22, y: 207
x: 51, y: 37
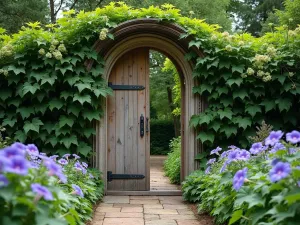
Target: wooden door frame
x: 165, y: 38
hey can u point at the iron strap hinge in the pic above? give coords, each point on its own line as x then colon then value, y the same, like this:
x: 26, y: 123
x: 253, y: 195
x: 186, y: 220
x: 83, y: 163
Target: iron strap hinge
x: 111, y: 176
x: 125, y: 87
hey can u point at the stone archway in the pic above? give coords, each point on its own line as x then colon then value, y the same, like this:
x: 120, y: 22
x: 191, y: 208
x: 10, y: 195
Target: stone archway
x: 164, y: 38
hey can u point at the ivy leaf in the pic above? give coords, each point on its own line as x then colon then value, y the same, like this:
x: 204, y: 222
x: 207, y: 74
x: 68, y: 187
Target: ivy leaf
x: 9, y: 122
x: 238, y: 68
x: 222, y: 90
x: 251, y: 198
x: 205, y: 118
x: 195, y: 43
x: 215, y: 125
x: 103, y: 92
x: 194, y: 121
x: 253, y: 110
x: 64, y: 69
x: 82, y: 86
x: 55, y: 104
x: 20, y: 136
x: 202, y: 88
x: 82, y: 98
x: 89, y: 131
x: 206, y: 136
x: 268, y: 104
x: 5, y: 93
x: 34, y: 125
x: 25, y: 111
x: 50, y: 80
x: 40, y: 108
x: 73, y: 109
x: 226, y: 113
x: 236, y: 81
x: 236, y: 216
x: 242, y: 122
x: 72, y: 79
x: 91, y: 115
x: 84, y: 149
x: 48, y: 127
x: 63, y: 120
x: 27, y: 87
x: 52, y: 140
x: 224, y: 64
x: 74, y: 60
x: 16, y: 70
x: 281, y: 78
x: 65, y: 95
x: 226, y: 101
x: 240, y: 93
x: 37, y: 75
x: 229, y: 130
x: 68, y: 141
x: 284, y: 104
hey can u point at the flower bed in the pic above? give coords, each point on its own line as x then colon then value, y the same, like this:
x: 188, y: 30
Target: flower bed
x: 259, y: 186
x: 42, y: 190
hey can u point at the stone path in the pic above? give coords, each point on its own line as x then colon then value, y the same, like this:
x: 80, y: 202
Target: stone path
x: 157, y: 179
x: 144, y: 210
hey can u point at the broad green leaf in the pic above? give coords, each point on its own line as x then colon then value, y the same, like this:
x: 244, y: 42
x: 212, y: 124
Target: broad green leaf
x: 236, y: 81
x: 9, y: 122
x: 50, y: 80
x: 25, y: 111
x: 224, y: 64
x: 226, y: 113
x: 253, y: 109
x: 48, y: 127
x: 238, y: 68
x: 37, y: 75
x: 89, y: 131
x: 194, y: 121
x: 72, y: 79
x: 65, y: 95
x: 246, y: 196
x: 55, y: 104
x: 226, y: 101
x: 20, y: 136
x: 82, y: 86
x: 64, y: 120
x: 243, y: 122
x: 84, y: 149
x: 240, y: 93
x: 5, y: 93
x: 228, y: 130
x: 205, y: 118
x: 28, y: 88
x: 73, y: 109
x: 69, y: 140
x: 82, y: 98
x: 292, y: 198
x: 236, y: 216
x: 103, y: 92
x: 284, y: 104
x: 63, y: 69
x: 16, y: 70
x: 92, y: 55
x: 34, y: 125
x: 215, y: 125
x: 268, y: 104
x: 91, y: 115
x: 222, y: 90
x: 206, y: 136
x: 52, y: 140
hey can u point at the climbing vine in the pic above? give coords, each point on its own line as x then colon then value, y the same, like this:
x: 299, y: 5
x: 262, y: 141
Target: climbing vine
x: 49, y: 97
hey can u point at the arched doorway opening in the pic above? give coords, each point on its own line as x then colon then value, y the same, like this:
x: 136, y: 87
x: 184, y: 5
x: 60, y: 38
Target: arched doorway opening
x: 165, y: 38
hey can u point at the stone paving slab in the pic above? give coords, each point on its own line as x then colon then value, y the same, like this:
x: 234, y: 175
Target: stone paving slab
x: 123, y: 221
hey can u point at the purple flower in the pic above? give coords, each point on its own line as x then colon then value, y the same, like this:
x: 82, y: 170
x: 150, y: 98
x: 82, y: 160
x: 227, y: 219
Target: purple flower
x: 41, y: 191
x: 211, y: 161
x: 78, y: 166
x: 292, y: 151
x: 277, y: 146
x: 85, y: 164
x: 274, y: 162
x: 76, y: 156
x: 274, y: 137
x: 18, y: 165
x: 53, y: 157
x: 32, y: 150
x: 3, y: 163
x: 256, y: 148
x: 223, y: 168
x: 10, y: 152
x: 225, y: 154
x: 53, y: 168
x: 239, y: 178
x: 19, y: 145
x: 3, y: 181
x: 91, y: 176
x: 293, y: 137
x: 43, y: 154
x: 77, y: 190
x: 233, y: 156
x: 63, y: 161
x: 232, y: 147
x: 216, y: 151
x: 244, y: 155
x: 66, y: 156
x: 279, y: 171
x: 207, y: 171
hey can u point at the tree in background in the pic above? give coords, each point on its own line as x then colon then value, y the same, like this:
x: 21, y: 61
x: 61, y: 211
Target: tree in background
x: 291, y: 14
x: 15, y: 13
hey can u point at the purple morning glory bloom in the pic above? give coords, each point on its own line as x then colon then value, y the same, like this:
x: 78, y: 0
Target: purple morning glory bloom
x: 293, y: 137
x: 232, y: 156
x: 3, y: 163
x: 42, y: 191
x: 62, y: 178
x: 244, y: 155
x: 216, y: 151
x: 19, y: 145
x: 277, y: 146
x: 274, y: 162
x: 239, y: 178
x: 78, y: 166
x: 256, y: 148
x: 18, y: 165
x: 85, y: 164
x: 232, y: 147
x: 279, y: 171
x: 3, y: 181
x: 53, y: 157
x: 225, y: 154
x: 274, y: 137
x: 91, y: 176
x: 10, y: 152
x: 211, y: 161
x: 54, y: 169
x: 77, y: 190
x: 32, y: 150
x: 43, y: 154
x: 76, y: 156
x: 63, y: 161
x: 223, y: 168
x: 207, y: 171
x: 66, y: 156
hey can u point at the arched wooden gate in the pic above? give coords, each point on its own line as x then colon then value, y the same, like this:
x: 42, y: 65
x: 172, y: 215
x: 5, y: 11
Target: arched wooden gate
x: 119, y: 145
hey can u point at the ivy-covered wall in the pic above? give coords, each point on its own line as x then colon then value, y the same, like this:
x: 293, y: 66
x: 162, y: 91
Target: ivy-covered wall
x: 49, y: 98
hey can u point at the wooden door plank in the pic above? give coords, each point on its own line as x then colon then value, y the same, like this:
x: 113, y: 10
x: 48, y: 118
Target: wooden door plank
x: 147, y: 80
x: 111, y: 126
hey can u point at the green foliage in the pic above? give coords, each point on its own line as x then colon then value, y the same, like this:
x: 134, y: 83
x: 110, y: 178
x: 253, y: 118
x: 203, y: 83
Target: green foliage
x: 4, y: 141
x: 172, y: 164
x: 290, y: 15
x: 162, y: 132
x: 262, y: 132
x: 259, y: 200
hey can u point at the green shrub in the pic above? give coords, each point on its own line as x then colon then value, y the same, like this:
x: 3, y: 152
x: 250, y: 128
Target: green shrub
x: 162, y: 132
x: 173, y: 163
x: 259, y: 186
x: 40, y: 190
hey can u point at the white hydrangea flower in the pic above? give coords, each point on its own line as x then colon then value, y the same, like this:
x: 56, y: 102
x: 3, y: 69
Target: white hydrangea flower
x: 49, y: 55
x: 250, y: 71
x: 228, y: 48
x: 57, y: 55
x: 42, y: 51
x: 103, y: 34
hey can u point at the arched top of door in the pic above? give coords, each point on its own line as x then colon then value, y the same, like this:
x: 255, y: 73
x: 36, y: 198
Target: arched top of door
x: 150, y: 33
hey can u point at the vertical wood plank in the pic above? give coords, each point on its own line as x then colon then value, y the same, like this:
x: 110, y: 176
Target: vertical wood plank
x: 147, y: 81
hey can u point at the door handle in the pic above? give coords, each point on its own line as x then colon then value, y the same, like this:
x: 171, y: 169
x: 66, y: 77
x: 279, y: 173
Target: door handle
x: 142, y: 125
x: 147, y: 124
